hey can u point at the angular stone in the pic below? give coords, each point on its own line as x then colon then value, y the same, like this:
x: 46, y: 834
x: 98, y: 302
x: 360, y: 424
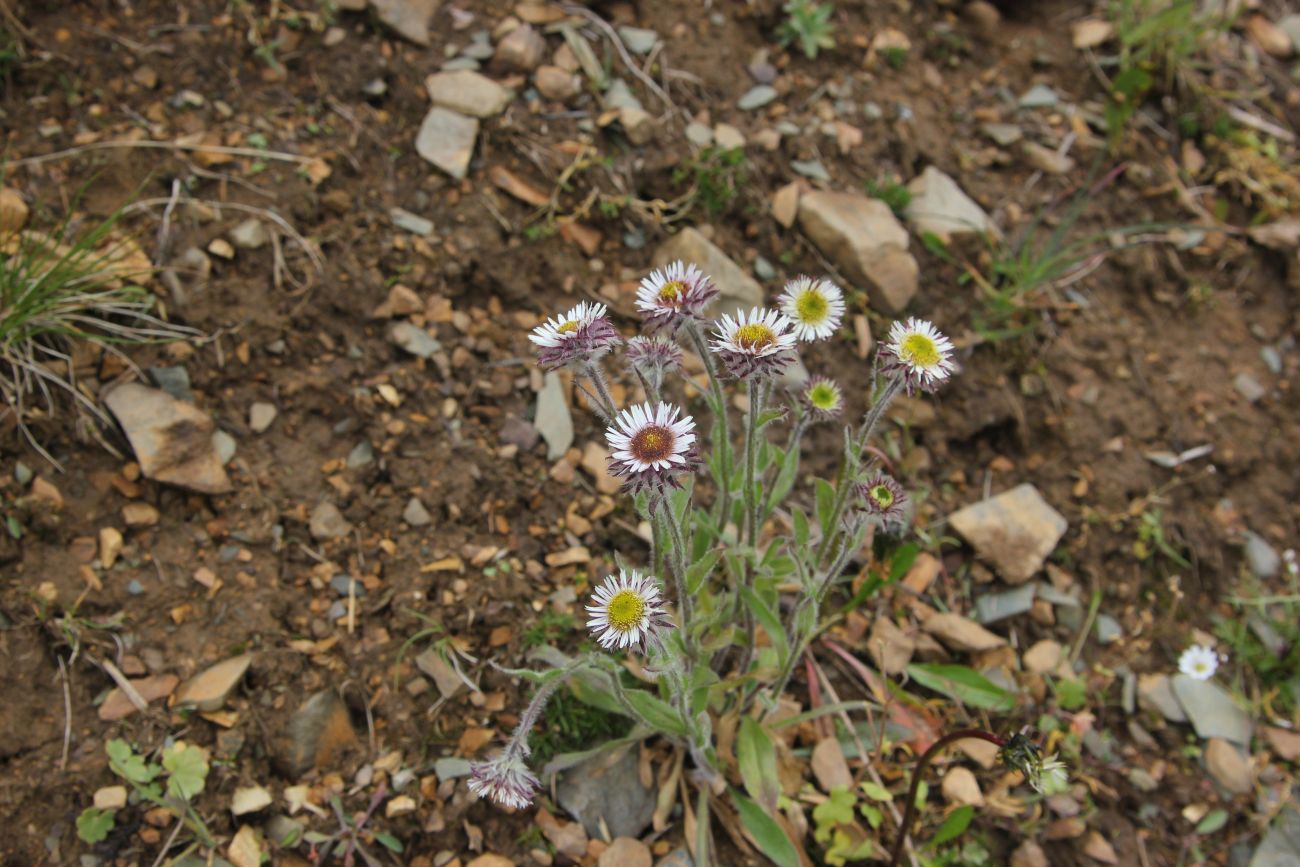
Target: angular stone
x: 595, y: 460
x: 117, y: 706
x: 1212, y: 711
x: 435, y: 667
x: 1228, y: 767
x: 250, y: 234
x: 13, y: 211
x: 110, y: 545
x: 446, y: 139
x: 992, y: 607
x: 1262, y: 558
x: 172, y: 439
x: 249, y: 799
x: 1045, y: 159
x: 558, y: 84
x: 864, y: 239
x: 208, y: 690
x: 413, y: 339
x: 1015, y: 531
x: 1003, y: 133
x: 891, y: 648
x: 619, y: 95
x: 625, y: 852
x: 941, y: 208
x: 756, y: 97
x: 1156, y: 693
x: 408, y: 18
x: 960, y: 787
x: 1284, y: 742
x: 110, y: 797
x: 736, y: 289
x: 962, y: 634
x: 1039, y: 96
x: 785, y: 204
x: 140, y: 515
x: 521, y: 50
x: 639, y: 40
x: 327, y: 522
x: 553, y: 419
x: 316, y: 733
x: 638, y: 124
x: 467, y: 92
x: 1281, y: 845
x: 260, y: 416
x: 606, y: 789
x: 1044, y: 657
x: 416, y: 514
x: 1029, y: 854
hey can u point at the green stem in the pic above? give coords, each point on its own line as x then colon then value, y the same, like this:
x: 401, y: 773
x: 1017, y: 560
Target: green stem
x: 750, y: 496
x: 677, y: 544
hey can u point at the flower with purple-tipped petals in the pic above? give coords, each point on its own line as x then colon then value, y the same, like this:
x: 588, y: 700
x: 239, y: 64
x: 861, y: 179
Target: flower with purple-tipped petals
x: 919, y: 352
x: 627, y: 611
x: 506, y: 777
x: 580, y: 336
x: 650, y: 446
x: 673, y: 296
x: 754, y: 345
x: 882, y: 497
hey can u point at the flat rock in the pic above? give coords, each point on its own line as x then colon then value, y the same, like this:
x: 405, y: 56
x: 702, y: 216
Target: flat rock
x: 1003, y: 133
x: 736, y: 289
x: 941, y: 208
x: 960, y: 633
x: 1045, y: 159
x: 728, y: 137
x: 521, y: 50
x: 1228, y: 767
x: 413, y: 339
x: 864, y: 239
x: 1261, y: 557
x: 316, y: 733
x: 172, y: 439
x: 435, y: 667
x: 1155, y: 692
x: 416, y: 225
x: 1281, y: 845
x: 595, y: 460
x: 110, y: 797
x: 408, y: 18
x: 327, y: 522
x: 1284, y: 742
x: 676, y: 858
x: 1044, y: 656
x: 467, y: 92
x: 173, y: 380
x: 250, y: 234
x: 117, y: 706
x: 638, y: 124
x: 416, y: 514
x: 249, y: 799
x: 138, y: 514
x: 260, y: 416
x: 639, y: 40
x: 785, y: 204
x: 208, y: 690
x: 1039, y: 96
x: 1212, y: 711
x: 554, y: 82
x: 553, y: 419
x: 625, y: 852
x: 756, y: 97
x: 992, y: 607
x: 1015, y: 531
x: 619, y: 95
x: 608, y: 787
x: 446, y: 139
x: 829, y: 766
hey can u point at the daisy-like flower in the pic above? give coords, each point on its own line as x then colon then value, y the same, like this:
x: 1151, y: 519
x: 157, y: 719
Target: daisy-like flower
x: 627, y: 611
x: 1048, y: 776
x: 920, y: 352
x: 824, y: 398
x: 654, y: 355
x: 1198, y: 662
x: 754, y: 345
x: 669, y: 298
x: 581, y: 335
x: 814, y: 306
x: 505, y: 778
x: 883, y: 497
x: 650, y: 446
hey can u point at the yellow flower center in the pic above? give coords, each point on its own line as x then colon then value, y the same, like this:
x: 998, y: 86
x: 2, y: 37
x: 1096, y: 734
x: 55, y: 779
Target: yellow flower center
x: 755, y: 335
x: 672, y: 292
x: 652, y: 443
x: 883, y: 497
x: 822, y: 396
x: 568, y: 327
x: 811, y: 307
x: 919, y: 349
x: 626, y: 610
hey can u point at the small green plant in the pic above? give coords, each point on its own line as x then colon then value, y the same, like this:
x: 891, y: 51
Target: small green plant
x: 442, y: 646
x: 895, y: 56
x: 891, y: 192
x: 1151, y: 540
x: 837, y: 826
x: 185, y: 769
x: 352, y: 834
x: 808, y: 24
x: 572, y: 725
x: 1265, y: 641
x: 716, y: 176
x: 548, y: 629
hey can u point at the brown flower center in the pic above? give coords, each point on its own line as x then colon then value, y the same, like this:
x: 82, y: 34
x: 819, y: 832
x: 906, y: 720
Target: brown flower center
x: 652, y: 443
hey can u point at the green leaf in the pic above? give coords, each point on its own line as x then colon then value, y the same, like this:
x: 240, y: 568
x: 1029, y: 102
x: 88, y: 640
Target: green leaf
x: 953, y: 826
x: 1213, y: 821
x: 825, y: 504
x: 757, y: 759
x: 700, y: 570
x: 837, y: 809
x: 875, y: 791
x: 801, y: 531
x: 656, y: 712
x: 1071, y: 693
x: 94, y: 824
x: 767, y: 619
x: 772, y: 840
x: 388, y: 841
x: 873, y: 816
x: 901, y: 561
x: 964, y: 684
x: 126, y: 764
x: 187, y: 769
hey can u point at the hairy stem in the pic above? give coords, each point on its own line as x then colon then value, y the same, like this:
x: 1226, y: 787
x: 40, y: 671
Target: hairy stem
x: 604, y: 400
x: 750, y: 495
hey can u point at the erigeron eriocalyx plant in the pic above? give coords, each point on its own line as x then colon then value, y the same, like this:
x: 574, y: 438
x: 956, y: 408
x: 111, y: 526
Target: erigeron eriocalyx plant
x: 704, y: 610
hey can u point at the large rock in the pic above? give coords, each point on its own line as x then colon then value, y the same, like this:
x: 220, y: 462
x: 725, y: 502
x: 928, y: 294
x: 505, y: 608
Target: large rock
x: 467, y: 92
x: 409, y: 18
x: 736, y: 289
x: 447, y: 139
x: 1015, y: 531
x: 940, y: 207
x: 606, y: 789
x: 1212, y: 711
x: 864, y: 239
x: 1281, y: 845
x: 172, y: 439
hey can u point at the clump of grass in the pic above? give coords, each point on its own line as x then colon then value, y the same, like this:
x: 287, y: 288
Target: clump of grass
x: 891, y: 192
x: 717, y: 175
x: 1265, y: 642
x: 570, y: 725
x: 808, y: 25
x: 58, y: 292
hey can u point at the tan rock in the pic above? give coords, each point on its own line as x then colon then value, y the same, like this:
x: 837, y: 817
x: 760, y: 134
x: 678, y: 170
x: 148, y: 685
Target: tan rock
x: 1228, y: 767
x: 625, y: 852
x: 890, y: 647
x: 829, y: 765
x: 1098, y: 848
x: 960, y: 787
x: 117, y: 706
x: 13, y: 211
x: 446, y: 139
x: 110, y: 797
x: 249, y: 799
x: 140, y: 515
x: 409, y: 18
x: 1029, y: 854
x: 554, y: 82
x: 961, y: 633
x: 491, y: 860
x: 595, y: 460
x: 434, y: 666
x: 110, y: 545
x: 1043, y: 657
x: 1284, y: 742
x: 1046, y: 159
x: 172, y: 439
x: 509, y: 182
x: 1270, y: 38
x: 785, y: 204
x: 1091, y: 32
x: 637, y: 123
x: 319, y: 730
x: 521, y: 50
x: 45, y: 492
x: 467, y: 92
x: 1015, y: 531
x: 208, y: 690
x: 864, y: 239
x: 245, y: 850
x: 401, y: 301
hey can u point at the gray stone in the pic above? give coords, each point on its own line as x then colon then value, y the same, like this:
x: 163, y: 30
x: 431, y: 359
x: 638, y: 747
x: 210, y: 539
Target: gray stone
x: 362, y: 455
x: 992, y: 607
x: 413, y: 223
x: 225, y: 446
x: 698, y: 134
x: 1039, y: 96
x: 619, y: 95
x: 1156, y: 693
x: 327, y: 522
x: 1108, y: 629
x: 639, y: 40
x: 375, y: 88
x: 941, y: 208
x: 1261, y: 556
x: 676, y: 858
x: 260, y: 416
x: 408, y: 18
x: 521, y: 50
x: 173, y: 380
x: 416, y: 514
x: 250, y: 234
x: 1272, y: 358
x: 345, y: 585
x: 1003, y: 133
x: 736, y: 289
x: 467, y: 92
x: 606, y: 790
x: 763, y: 269
x: 413, y: 339
x: 1248, y: 387
x: 553, y: 419
x: 519, y: 432
x: 1015, y: 531
x: 866, y: 241
x: 1290, y: 25
x: 451, y: 768
x: 446, y: 139
x: 810, y: 169
x: 1212, y: 710
x: 457, y: 64
x: 756, y: 97
x: 172, y: 439
x: 1281, y: 845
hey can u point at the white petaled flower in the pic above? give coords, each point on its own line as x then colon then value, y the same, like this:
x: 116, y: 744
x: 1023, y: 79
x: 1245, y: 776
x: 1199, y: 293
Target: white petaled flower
x: 920, y: 353
x: 627, y: 611
x: 650, y: 446
x: 1198, y: 662
x: 669, y: 298
x: 1052, y: 777
x: 824, y: 398
x: 581, y: 335
x: 505, y: 778
x: 754, y: 345
x: 814, y: 306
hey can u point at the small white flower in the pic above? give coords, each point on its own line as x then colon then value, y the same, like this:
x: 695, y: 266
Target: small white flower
x: 649, y: 445
x: 505, y: 778
x: 582, y: 334
x: 626, y: 611
x: 1053, y: 778
x: 760, y: 343
x: 920, y: 352
x: 1198, y: 662
x: 670, y: 297
x: 814, y: 306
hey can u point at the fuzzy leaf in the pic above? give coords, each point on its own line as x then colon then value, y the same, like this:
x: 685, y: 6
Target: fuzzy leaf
x: 757, y: 759
x: 772, y: 840
x: 656, y: 712
x: 767, y: 619
x: 801, y: 531
x: 825, y: 504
